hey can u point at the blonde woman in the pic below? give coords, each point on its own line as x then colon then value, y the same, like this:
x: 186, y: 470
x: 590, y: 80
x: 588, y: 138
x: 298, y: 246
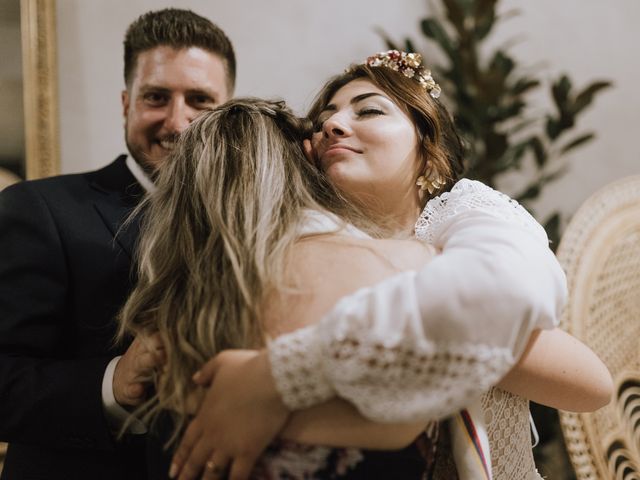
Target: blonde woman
x: 377, y: 133
x: 235, y: 206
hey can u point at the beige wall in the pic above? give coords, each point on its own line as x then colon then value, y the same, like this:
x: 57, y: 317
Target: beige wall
x: 287, y: 48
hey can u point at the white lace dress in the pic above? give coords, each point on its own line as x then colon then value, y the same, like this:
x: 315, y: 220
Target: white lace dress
x: 421, y: 345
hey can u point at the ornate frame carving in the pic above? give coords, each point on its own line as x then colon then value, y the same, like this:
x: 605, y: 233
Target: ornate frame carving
x: 40, y: 72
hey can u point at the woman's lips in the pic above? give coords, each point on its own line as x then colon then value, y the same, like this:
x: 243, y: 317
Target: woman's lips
x: 340, y: 147
x: 337, y: 149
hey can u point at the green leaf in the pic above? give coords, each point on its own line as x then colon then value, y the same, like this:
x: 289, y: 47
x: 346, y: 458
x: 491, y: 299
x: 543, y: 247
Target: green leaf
x: 409, y: 46
x: 576, y: 142
x: 539, y: 151
x: 553, y: 128
x: 553, y: 220
x: 552, y: 227
x: 502, y: 62
x: 522, y: 125
x: 553, y: 176
x: 531, y: 192
x: 496, y: 145
x: 560, y: 91
x: 524, y: 85
x: 560, y: 125
x: 503, y: 113
x: 584, y: 98
x: 516, y: 152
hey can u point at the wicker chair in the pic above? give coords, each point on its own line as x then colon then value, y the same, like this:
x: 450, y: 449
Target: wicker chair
x: 600, y: 251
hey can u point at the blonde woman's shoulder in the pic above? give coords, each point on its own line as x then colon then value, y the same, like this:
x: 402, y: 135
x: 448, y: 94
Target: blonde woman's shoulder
x: 324, y: 268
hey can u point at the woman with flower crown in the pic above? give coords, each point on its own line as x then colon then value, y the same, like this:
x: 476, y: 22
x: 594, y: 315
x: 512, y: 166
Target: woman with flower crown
x: 415, y: 355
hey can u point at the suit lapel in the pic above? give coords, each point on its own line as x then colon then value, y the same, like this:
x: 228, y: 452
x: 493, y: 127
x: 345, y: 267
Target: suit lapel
x: 119, y: 194
x: 115, y: 215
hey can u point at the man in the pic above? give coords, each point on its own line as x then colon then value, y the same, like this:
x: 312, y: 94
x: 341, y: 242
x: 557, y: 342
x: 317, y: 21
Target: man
x: 66, y: 267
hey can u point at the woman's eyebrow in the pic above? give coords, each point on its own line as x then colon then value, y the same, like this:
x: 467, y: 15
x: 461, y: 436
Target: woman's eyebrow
x: 364, y: 96
x: 331, y: 107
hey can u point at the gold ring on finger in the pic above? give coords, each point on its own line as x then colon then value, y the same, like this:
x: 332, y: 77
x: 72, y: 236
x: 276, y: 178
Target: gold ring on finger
x: 213, y: 468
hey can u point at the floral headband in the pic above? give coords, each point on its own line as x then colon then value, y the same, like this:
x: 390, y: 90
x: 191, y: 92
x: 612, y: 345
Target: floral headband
x: 410, y: 65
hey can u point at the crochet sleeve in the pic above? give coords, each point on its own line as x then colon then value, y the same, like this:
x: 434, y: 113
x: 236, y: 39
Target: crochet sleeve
x: 420, y: 344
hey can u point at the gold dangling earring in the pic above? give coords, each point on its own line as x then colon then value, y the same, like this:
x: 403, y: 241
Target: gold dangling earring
x: 431, y: 181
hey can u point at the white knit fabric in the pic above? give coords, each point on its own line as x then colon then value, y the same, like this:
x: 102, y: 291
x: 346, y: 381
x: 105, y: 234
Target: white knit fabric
x: 506, y: 418
x: 471, y: 195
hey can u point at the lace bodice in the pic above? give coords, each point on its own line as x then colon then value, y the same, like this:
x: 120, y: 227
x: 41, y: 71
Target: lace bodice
x: 475, y: 197
x: 506, y: 415
x: 420, y: 345
x: 506, y: 419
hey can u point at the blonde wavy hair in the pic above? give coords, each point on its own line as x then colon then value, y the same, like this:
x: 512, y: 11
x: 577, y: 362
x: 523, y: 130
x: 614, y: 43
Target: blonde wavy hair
x: 215, y: 237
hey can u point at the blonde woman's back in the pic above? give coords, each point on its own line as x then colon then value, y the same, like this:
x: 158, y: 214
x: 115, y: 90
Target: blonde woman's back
x: 324, y: 268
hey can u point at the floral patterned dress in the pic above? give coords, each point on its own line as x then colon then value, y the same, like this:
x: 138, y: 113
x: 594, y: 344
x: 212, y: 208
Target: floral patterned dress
x: 286, y: 460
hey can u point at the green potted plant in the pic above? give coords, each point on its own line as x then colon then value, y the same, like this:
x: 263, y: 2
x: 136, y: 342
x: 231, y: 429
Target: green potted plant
x: 489, y: 98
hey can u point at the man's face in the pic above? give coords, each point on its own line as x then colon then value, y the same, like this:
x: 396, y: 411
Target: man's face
x: 169, y: 89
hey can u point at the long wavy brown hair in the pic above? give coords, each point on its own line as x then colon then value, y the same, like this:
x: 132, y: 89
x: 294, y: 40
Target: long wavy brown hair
x: 216, y: 235
x: 438, y: 140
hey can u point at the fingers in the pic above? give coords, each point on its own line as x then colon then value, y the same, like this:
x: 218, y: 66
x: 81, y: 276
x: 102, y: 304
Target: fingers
x: 191, y: 435
x: 135, y: 370
x: 194, y: 400
x: 204, y: 376
x: 216, y: 467
x: 135, y: 391
x: 196, y: 461
x: 154, y: 345
x: 241, y: 469
x: 144, y: 365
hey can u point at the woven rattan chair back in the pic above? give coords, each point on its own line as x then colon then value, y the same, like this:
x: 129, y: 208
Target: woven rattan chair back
x: 600, y: 251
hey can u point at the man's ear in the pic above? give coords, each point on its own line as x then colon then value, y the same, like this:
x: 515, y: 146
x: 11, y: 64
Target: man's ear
x: 124, y: 96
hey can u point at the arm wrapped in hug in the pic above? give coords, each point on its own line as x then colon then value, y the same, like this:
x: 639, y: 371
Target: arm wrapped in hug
x: 421, y: 344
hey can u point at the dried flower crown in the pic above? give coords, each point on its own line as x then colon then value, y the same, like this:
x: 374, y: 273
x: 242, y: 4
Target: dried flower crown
x: 410, y: 65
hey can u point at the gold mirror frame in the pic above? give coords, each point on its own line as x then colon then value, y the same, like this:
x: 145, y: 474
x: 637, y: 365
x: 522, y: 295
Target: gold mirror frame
x: 40, y: 87
x: 40, y: 80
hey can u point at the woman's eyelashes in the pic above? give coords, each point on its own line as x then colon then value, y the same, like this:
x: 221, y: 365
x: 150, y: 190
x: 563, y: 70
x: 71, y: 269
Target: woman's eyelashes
x: 370, y: 111
x: 363, y: 112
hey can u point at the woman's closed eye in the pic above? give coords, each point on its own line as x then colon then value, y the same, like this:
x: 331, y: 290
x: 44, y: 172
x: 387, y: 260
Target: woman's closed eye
x: 362, y: 112
x: 369, y: 111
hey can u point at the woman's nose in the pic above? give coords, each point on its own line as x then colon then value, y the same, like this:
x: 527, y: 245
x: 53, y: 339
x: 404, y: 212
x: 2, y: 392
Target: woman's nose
x: 336, y: 126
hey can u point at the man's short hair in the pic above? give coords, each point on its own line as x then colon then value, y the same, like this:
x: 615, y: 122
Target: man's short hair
x: 178, y: 29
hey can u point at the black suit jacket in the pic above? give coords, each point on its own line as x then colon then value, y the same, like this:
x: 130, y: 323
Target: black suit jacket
x: 64, y: 274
